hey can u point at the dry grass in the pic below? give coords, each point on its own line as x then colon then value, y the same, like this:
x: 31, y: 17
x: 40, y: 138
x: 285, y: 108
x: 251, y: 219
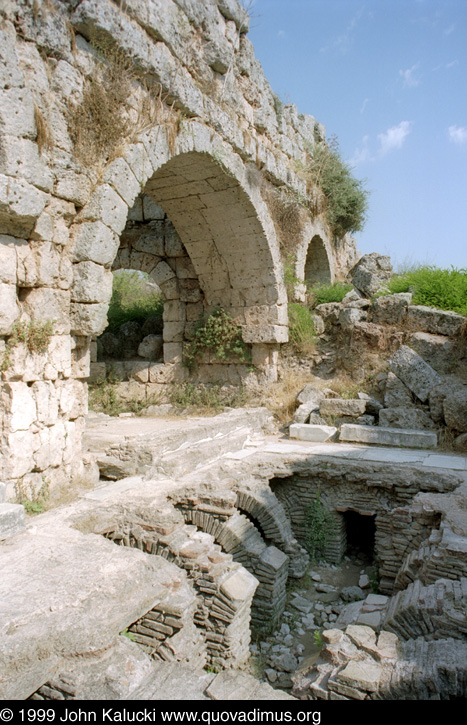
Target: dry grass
x: 44, y: 138
x: 280, y: 398
x: 287, y: 212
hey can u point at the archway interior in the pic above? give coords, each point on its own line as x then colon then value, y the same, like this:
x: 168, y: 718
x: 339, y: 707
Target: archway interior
x: 317, y: 269
x: 360, y: 534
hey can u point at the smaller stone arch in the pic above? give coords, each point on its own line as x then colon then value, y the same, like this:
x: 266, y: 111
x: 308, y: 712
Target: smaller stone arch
x: 316, y: 256
x: 317, y: 267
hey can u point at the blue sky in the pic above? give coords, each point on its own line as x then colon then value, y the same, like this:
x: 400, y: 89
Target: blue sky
x: 389, y: 79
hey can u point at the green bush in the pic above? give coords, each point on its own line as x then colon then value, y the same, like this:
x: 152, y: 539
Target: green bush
x: 218, y: 334
x: 346, y: 199
x: 319, y: 294
x: 132, y: 299
x: 445, y: 289
x: 301, y: 328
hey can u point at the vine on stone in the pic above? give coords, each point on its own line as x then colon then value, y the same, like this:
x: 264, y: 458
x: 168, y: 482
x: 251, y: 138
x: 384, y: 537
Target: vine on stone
x: 218, y: 334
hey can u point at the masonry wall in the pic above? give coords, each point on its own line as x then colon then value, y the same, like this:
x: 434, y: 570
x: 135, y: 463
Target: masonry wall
x: 201, y: 133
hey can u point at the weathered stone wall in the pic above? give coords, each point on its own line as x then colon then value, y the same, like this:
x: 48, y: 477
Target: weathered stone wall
x: 202, y: 134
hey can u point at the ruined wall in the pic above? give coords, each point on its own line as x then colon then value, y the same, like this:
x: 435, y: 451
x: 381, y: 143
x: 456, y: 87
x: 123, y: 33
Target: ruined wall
x: 185, y: 115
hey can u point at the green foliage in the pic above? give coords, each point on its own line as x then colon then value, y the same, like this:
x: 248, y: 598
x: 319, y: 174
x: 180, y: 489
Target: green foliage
x: 132, y: 299
x: 319, y: 525
x: 206, y: 397
x: 35, y: 335
x: 319, y: 294
x: 217, y: 334
x: 346, y: 199
x: 445, y: 289
x: 104, y: 397
x: 318, y: 639
x: 301, y: 328
x: 129, y: 635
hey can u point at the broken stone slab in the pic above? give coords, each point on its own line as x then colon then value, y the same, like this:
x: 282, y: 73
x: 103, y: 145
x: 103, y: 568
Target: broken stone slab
x: 437, y: 322
x: 409, y: 367
x: 302, y: 604
x: 407, y: 418
x: 361, y: 675
x: 342, y: 406
x: 391, y: 309
x: 438, y: 350
x: 308, y: 432
x: 371, y: 273
x: 303, y: 412
x: 12, y: 518
x: 397, y: 394
x: 371, y: 619
x: 455, y: 409
x: 310, y: 394
x: 397, y: 437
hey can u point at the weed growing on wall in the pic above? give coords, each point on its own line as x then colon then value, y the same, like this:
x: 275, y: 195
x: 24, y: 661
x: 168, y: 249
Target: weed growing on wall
x: 217, y: 334
x: 319, y: 526
x: 345, y: 197
x: 35, y: 335
x: 34, y: 502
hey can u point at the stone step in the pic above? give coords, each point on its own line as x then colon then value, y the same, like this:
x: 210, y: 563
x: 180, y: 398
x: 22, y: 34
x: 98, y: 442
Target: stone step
x: 398, y: 437
x: 12, y: 520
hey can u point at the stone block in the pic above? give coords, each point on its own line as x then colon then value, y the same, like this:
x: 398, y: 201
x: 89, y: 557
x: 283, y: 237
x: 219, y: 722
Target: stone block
x: 399, y: 437
x: 265, y: 333
x: 9, y: 309
x: 308, y: 432
x: 94, y: 242
x: 151, y: 210
x: 44, y: 304
x: 73, y: 187
x: 88, y: 319
x: 151, y: 347
x: 107, y: 206
x: 391, y: 309
x: 396, y: 395
x: 274, y: 558
x: 414, y: 418
x: 21, y: 406
x: 371, y: 273
x: 97, y: 372
x: 362, y: 675
x: 173, y: 331
x: 12, y: 520
x: 342, y: 406
x: 350, y: 316
x: 437, y: 322
x: 8, y: 258
x: 2, y: 492
x: 19, y: 157
x: 173, y: 352
x: 438, y: 350
x: 455, y: 409
x: 409, y: 367
x: 162, y: 273
x: 119, y: 175
x: 38, y: 264
x: 240, y: 586
x: 21, y: 204
x: 91, y: 283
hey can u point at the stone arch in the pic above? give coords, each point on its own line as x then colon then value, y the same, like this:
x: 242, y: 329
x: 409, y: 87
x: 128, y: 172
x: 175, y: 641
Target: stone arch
x: 316, y: 256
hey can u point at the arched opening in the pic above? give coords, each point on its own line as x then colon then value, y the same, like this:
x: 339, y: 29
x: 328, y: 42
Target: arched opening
x: 317, y: 269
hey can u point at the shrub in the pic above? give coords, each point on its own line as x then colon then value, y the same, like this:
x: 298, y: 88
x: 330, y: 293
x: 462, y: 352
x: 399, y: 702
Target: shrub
x: 301, y: 328
x: 319, y: 525
x: 35, y: 335
x: 133, y: 299
x: 346, y: 199
x: 218, y: 334
x: 445, y: 289
x: 319, y: 294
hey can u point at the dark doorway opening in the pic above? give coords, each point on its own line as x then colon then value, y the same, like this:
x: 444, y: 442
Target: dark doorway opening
x: 360, y: 533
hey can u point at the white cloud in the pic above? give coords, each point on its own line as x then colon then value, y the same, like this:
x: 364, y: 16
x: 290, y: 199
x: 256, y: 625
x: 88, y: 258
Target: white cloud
x: 394, y: 137
x: 361, y: 153
x: 410, y: 79
x: 458, y: 134
x: 364, y: 104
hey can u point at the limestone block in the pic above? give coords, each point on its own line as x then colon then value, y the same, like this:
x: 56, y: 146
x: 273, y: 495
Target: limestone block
x: 138, y: 160
x: 342, y: 406
x: 350, y: 316
x: 8, y: 258
x: 12, y: 520
x: 151, y: 347
x: 9, y: 309
x: 91, y: 283
x: 308, y: 432
x: 107, y: 206
x: 189, y: 290
x: 233, y: 10
x: 194, y: 311
x: 97, y: 372
x: 20, y: 205
x: 409, y: 367
x: 405, y: 418
x: 94, y: 242
x: 138, y: 371
x: 73, y: 187
x: 240, y: 586
x: 265, y: 333
x: 17, y: 112
x: 73, y: 398
x: 174, y: 311
x: 2, y: 492
x: 173, y: 244
x: 318, y: 324
x: 399, y: 438
x: 21, y: 406
x: 38, y: 264
x: 19, y: 157
x: 173, y: 331
x: 185, y: 269
x: 51, y: 447
x: 396, y: 394
x: 80, y: 362
x: 436, y: 400
x: 455, y: 409
x: 162, y: 273
x: 10, y: 71
x: 58, y: 358
x: 438, y: 350
x: 119, y: 175
x: 371, y: 273
x: 89, y: 320
x: 391, y: 309
x: 362, y: 675
x: 161, y: 373
x: 47, y: 398
x: 173, y: 352
x: 135, y: 214
x: 24, y: 365
x: 329, y: 312
x: 21, y: 448
x: 151, y: 210
x: 151, y: 241
x: 437, y: 322
x: 44, y: 304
